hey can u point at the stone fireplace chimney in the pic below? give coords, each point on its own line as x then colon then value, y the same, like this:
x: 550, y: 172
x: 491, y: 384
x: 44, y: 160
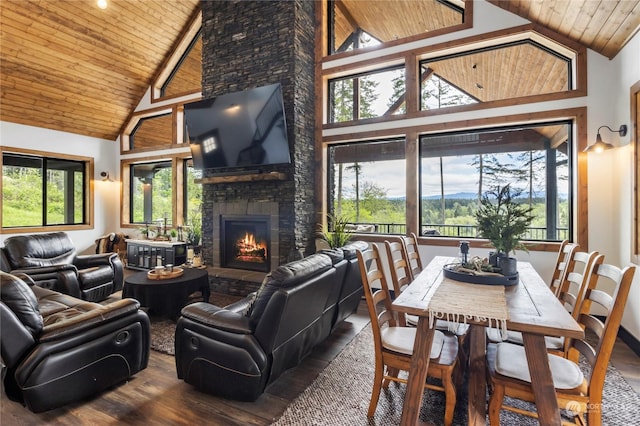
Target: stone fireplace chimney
x: 248, y: 44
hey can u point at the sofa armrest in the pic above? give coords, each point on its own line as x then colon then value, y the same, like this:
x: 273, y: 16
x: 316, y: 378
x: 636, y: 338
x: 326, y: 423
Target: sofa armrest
x: 65, y: 326
x: 242, y: 306
x: 216, y: 317
x: 90, y: 260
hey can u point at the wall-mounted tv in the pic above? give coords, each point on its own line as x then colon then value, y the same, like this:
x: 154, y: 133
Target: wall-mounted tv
x: 241, y: 129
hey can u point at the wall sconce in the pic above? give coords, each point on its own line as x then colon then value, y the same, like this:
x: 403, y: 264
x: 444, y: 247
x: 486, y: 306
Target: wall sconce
x: 600, y: 145
x: 105, y: 177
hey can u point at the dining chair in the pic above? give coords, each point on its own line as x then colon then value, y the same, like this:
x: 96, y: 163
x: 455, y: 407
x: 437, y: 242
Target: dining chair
x: 393, y: 343
x: 575, y: 281
x: 577, y: 392
x: 413, y: 253
x: 401, y: 277
x: 564, y: 263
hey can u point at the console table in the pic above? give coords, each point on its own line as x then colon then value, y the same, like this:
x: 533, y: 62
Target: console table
x: 146, y: 254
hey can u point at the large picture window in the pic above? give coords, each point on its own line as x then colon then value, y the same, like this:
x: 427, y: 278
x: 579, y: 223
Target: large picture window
x: 40, y: 191
x: 151, y: 192
x: 458, y: 168
x: 368, y: 185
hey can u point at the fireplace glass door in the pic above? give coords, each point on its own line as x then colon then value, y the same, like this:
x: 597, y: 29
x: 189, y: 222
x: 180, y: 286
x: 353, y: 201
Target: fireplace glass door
x: 245, y: 242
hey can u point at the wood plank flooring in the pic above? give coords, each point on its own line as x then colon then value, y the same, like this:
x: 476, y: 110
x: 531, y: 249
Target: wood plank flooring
x: 155, y: 396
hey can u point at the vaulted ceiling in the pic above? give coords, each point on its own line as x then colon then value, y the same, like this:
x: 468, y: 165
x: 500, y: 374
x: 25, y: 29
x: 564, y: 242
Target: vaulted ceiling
x: 68, y: 65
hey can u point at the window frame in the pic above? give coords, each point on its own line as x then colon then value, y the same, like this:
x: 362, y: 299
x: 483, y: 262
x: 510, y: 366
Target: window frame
x: 88, y: 201
x: 178, y: 184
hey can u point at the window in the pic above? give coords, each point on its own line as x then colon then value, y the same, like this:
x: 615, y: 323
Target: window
x: 192, y: 194
x: 457, y: 168
x: 358, y: 24
x: 39, y: 191
x: 367, y: 95
x: 368, y: 186
x: 152, y: 132
x: 481, y: 75
x: 151, y: 192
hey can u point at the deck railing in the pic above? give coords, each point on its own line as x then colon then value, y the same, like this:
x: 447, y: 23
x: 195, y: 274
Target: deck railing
x: 466, y: 231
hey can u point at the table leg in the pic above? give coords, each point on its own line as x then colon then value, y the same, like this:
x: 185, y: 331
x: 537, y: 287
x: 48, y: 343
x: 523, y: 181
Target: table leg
x: 477, y: 406
x: 418, y: 373
x: 541, y: 379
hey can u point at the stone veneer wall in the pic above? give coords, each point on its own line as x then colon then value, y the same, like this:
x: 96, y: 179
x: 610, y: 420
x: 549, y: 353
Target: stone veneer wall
x: 247, y: 44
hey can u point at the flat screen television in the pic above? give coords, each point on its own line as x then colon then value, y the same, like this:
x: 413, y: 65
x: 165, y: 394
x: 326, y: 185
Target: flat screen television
x: 241, y: 129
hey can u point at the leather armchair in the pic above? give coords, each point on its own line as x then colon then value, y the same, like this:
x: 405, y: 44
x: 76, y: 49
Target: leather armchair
x: 58, y: 349
x: 234, y: 354
x: 52, y: 261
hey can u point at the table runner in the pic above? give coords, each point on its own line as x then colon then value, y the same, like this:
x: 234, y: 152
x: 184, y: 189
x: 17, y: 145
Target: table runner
x: 457, y: 302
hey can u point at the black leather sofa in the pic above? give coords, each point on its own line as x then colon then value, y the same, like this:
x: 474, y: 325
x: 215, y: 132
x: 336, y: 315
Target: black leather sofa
x: 236, y: 351
x: 52, y: 261
x: 57, y: 349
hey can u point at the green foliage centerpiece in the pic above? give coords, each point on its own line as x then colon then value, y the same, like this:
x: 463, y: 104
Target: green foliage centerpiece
x: 503, y: 221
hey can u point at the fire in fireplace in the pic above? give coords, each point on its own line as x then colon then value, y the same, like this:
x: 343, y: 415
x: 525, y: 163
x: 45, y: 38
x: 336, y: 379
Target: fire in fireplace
x: 245, y: 242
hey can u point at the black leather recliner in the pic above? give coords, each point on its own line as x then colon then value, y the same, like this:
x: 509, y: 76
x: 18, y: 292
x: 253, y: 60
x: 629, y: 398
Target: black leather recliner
x: 58, y: 349
x: 225, y: 352
x: 52, y: 261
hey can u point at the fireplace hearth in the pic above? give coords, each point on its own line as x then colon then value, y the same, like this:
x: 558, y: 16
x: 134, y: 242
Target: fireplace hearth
x: 245, y: 242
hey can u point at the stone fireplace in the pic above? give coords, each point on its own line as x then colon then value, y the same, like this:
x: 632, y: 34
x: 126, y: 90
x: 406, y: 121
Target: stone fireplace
x: 247, y: 45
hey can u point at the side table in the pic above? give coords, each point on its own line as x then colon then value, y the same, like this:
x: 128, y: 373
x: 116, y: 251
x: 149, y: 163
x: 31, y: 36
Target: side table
x: 166, y: 297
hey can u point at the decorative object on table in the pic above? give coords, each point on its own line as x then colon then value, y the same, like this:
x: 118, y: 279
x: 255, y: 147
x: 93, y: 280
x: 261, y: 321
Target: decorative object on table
x: 503, y: 221
x: 174, y: 234
x: 165, y: 273
x: 340, y: 235
x: 464, y: 252
x: 479, y: 271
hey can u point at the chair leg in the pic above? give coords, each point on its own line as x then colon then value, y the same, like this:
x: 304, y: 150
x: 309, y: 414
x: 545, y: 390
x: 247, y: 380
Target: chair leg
x: 450, y: 397
x: 375, y: 391
x: 594, y: 415
x: 495, y: 404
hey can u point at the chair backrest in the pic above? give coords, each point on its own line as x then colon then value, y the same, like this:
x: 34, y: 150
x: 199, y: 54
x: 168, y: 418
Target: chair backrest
x: 401, y: 275
x: 49, y: 249
x: 413, y: 253
x: 600, y: 337
x: 378, y: 298
x: 576, y: 278
x: 563, y: 265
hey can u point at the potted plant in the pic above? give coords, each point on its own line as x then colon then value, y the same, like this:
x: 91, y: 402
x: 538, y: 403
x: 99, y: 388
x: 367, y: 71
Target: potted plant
x: 503, y: 221
x: 340, y: 235
x: 174, y: 235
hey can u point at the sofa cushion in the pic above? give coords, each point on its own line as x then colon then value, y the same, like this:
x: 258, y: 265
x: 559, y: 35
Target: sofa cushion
x: 336, y: 255
x: 95, y: 276
x: 19, y: 297
x: 286, y: 276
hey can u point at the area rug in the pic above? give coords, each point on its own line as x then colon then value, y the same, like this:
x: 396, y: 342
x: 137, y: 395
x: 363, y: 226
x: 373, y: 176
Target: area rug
x: 163, y: 330
x: 340, y: 396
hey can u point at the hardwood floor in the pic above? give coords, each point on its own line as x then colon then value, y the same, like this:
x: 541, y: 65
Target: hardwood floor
x: 155, y: 396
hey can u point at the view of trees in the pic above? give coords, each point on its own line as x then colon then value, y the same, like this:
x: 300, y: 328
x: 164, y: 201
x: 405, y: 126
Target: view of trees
x: 23, y: 197
x: 361, y: 196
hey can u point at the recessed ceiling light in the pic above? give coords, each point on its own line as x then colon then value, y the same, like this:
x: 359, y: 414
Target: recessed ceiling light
x: 102, y: 4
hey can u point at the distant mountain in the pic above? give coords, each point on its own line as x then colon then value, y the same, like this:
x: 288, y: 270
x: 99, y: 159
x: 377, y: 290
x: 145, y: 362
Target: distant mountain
x: 473, y: 196
x: 456, y: 196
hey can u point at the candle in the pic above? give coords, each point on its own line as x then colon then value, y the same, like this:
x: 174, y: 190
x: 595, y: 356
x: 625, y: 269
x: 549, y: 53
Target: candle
x: 189, y: 253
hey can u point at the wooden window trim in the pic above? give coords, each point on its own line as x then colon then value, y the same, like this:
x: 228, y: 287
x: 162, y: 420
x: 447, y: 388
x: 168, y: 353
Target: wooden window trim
x: 88, y: 201
x: 635, y: 170
x: 580, y: 201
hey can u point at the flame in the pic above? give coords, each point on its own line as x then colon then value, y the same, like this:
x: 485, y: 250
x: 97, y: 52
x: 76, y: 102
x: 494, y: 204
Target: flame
x: 249, y: 246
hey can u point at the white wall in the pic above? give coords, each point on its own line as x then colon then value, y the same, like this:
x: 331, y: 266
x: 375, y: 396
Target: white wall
x: 105, y: 154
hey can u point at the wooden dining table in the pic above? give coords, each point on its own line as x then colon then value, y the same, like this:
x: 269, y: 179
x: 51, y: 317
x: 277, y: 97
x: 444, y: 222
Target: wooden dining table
x: 532, y: 309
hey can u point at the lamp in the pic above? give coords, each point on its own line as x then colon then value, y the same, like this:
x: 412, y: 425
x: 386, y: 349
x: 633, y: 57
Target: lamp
x: 600, y: 145
x: 105, y: 176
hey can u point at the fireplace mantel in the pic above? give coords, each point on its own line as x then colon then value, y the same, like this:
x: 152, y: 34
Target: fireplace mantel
x: 252, y: 177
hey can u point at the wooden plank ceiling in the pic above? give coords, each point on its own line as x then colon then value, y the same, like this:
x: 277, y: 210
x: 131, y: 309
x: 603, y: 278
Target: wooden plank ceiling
x: 68, y: 65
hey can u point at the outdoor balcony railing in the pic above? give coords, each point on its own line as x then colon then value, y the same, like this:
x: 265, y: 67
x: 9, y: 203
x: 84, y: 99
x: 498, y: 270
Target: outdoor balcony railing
x: 465, y: 231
